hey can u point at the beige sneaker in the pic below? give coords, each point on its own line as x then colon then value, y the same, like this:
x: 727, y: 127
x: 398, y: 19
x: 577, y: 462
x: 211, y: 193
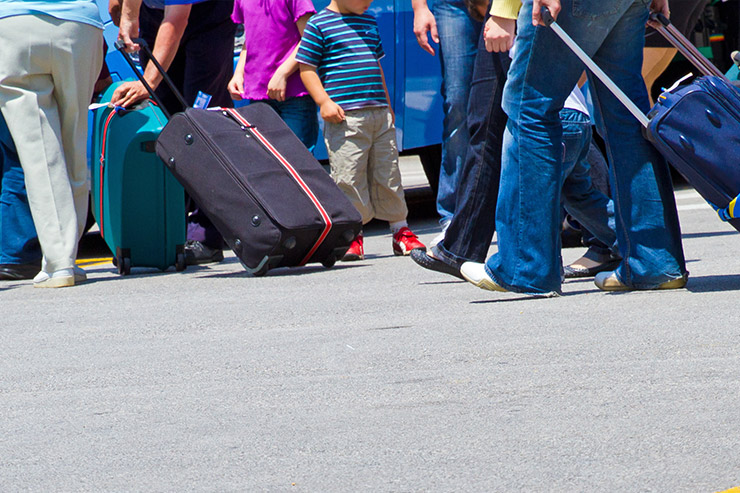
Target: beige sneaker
x: 607, y: 281
x: 59, y: 279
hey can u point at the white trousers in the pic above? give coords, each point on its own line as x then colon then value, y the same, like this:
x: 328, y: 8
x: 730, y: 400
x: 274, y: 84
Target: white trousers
x: 48, y: 69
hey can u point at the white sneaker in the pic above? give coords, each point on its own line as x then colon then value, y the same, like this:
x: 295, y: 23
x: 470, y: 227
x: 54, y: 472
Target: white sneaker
x: 58, y: 279
x: 476, y: 274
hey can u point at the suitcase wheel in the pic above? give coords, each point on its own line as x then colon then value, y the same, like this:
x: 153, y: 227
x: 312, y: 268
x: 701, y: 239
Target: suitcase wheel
x: 122, y: 261
x: 124, y: 266
x: 180, y: 262
x: 329, y: 261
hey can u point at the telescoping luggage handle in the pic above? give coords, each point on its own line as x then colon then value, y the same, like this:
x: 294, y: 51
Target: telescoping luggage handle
x: 145, y: 47
x: 683, y: 45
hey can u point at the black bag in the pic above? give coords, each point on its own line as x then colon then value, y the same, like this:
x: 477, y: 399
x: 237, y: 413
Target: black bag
x: 263, y: 190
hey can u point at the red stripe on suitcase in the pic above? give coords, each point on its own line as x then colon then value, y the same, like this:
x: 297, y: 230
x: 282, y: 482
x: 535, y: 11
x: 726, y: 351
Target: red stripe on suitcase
x: 324, y: 215
x: 102, y: 171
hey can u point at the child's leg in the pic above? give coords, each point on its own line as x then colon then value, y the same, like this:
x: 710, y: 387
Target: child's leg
x: 348, y: 145
x: 300, y: 116
x: 386, y: 191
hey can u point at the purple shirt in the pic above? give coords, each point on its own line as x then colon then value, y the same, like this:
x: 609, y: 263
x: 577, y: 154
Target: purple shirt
x: 271, y: 35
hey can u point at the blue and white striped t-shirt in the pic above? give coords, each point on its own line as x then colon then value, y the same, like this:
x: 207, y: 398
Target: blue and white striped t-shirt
x: 345, y: 48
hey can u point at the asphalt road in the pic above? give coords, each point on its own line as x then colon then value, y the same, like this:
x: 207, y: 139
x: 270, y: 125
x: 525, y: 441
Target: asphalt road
x: 372, y: 376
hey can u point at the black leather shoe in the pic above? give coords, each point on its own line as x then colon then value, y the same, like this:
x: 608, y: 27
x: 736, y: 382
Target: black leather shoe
x: 197, y: 253
x: 573, y: 271
x: 421, y: 257
x: 18, y: 272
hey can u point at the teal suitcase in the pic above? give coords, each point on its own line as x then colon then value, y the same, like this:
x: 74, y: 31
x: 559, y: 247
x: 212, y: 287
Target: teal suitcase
x: 137, y: 203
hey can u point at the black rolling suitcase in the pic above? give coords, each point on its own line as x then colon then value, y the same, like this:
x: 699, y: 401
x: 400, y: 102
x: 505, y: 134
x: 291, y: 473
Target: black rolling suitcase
x: 263, y: 190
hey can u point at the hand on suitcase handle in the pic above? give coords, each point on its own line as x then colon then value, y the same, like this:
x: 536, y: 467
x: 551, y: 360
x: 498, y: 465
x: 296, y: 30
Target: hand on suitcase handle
x: 659, y: 17
x: 658, y: 21
x: 144, y: 46
x: 139, y: 42
x: 544, y: 15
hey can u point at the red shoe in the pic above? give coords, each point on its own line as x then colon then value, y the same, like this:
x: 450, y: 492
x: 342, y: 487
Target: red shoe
x: 404, y: 241
x: 356, y: 251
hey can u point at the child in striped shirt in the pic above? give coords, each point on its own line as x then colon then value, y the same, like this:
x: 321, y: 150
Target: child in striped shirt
x: 339, y: 62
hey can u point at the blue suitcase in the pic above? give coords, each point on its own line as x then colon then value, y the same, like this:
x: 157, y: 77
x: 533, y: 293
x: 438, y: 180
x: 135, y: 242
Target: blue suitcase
x: 696, y: 127
x: 137, y: 202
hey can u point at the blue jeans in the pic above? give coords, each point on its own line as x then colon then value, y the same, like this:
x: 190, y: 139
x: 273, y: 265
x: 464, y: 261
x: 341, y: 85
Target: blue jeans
x: 300, y: 116
x: 599, y: 175
x: 18, y: 241
x: 588, y: 205
x: 527, y: 216
x: 458, y: 41
x: 472, y: 226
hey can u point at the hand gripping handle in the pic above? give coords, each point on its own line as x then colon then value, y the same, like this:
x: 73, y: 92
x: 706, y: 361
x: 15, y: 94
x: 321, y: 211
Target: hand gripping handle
x: 145, y: 48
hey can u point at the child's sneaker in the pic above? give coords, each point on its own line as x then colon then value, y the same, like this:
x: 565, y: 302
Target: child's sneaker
x: 356, y: 251
x: 404, y: 241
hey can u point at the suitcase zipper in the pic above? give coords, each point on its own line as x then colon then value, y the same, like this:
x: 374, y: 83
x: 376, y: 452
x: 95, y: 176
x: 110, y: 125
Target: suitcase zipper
x: 101, y: 171
x: 226, y: 165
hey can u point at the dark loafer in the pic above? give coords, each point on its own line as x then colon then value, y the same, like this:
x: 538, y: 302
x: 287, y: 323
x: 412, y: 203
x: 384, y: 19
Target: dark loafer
x: 421, y: 257
x: 572, y: 272
x: 18, y: 272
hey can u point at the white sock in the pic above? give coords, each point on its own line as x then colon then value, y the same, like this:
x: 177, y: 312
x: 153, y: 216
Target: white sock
x: 396, y: 227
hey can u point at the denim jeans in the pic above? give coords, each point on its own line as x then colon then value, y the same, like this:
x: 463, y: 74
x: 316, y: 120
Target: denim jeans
x: 527, y: 216
x: 18, y: 241
x: 581, y: 199
x: 599, y: 174
x: 471, y: 229
x: 458, y: 41
x: 300, y: 116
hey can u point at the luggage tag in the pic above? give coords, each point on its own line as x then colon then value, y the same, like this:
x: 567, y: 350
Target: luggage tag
x: 116, y: 109
x: 97, y: 106
x: 677, y: 83
x: 202, y: 100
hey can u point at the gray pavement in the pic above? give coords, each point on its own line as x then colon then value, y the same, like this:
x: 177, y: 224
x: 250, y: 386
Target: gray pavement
x: 373, y: 376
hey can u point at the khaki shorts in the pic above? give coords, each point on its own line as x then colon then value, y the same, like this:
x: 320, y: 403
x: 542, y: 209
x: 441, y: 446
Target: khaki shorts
x: 364, y: 163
